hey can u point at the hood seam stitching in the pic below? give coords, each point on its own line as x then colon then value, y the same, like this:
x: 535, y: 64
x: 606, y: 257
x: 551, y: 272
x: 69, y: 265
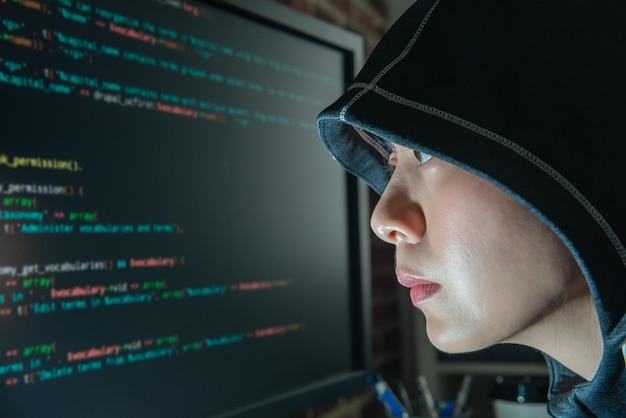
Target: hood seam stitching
x: 372, y: 142
x: 400, y: 57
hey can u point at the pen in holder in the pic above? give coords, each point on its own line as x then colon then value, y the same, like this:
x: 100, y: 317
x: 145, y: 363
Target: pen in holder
x: 451, y: 409
x: 397, y: 403
x: 393, y: 406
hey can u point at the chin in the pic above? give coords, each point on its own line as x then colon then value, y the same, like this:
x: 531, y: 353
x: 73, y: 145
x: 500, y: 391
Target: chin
x: 452, y: 342
x: 456, y: 347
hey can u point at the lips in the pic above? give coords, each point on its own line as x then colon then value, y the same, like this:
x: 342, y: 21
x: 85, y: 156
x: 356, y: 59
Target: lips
x: 421, y: 289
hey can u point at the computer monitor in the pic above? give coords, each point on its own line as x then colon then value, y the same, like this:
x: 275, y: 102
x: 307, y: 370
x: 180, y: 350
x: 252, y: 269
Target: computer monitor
x: 174, y: 239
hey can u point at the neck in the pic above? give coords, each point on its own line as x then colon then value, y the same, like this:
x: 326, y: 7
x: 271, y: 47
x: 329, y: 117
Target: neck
x: 571, y: 335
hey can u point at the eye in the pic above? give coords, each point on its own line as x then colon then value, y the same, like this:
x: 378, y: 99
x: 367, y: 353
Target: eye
x: 422, y: 157
x: 392, y: 161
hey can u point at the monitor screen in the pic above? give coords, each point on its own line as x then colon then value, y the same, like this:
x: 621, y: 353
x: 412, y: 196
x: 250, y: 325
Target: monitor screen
x: 174, y: 239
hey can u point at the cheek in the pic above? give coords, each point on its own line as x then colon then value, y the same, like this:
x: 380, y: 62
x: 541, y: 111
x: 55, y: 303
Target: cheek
x: 470, y: 312
x: 468, y: 236
x: 502, y: 268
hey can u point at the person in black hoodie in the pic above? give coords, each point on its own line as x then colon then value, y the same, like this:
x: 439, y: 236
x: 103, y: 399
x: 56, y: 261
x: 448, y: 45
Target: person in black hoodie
x: 492, y: 130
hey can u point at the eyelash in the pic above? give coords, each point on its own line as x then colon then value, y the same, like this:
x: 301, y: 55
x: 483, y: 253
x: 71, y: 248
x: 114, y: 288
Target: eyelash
x: 422, y: 157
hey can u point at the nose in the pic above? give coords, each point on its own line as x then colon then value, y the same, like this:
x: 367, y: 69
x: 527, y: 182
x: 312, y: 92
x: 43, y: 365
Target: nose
x: 398, y: 217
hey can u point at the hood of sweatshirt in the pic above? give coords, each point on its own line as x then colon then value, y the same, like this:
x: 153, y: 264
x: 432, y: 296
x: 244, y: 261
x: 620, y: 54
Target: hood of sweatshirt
x: 529, y: 95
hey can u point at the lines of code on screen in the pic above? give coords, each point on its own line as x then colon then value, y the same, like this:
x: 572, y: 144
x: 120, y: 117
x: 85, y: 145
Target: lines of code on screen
x: 172, y: 233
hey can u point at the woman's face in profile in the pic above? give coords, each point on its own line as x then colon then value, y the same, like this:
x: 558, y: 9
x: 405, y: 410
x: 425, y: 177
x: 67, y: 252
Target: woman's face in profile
x: 481, y: 267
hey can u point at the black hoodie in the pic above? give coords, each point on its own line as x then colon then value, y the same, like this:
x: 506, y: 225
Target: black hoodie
x: 529, y: 95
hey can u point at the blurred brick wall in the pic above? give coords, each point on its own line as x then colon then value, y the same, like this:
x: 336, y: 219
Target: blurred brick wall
x: 370, y: 19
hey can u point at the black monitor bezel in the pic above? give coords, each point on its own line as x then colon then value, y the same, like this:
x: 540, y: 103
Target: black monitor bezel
x: 352, y: 46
